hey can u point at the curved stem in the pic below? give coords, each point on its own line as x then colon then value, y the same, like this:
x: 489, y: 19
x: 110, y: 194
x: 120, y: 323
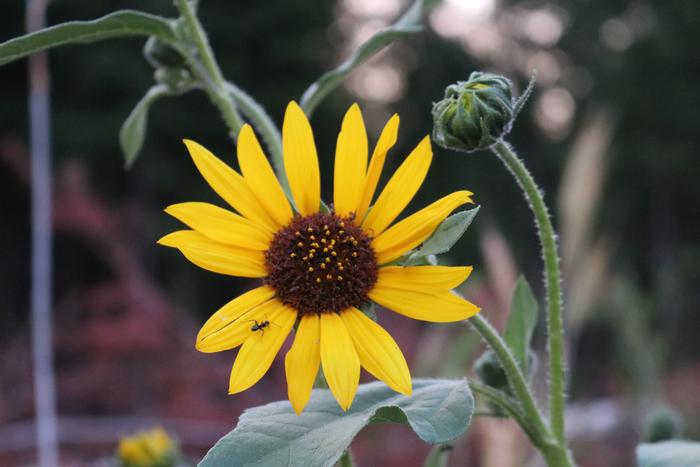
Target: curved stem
x: 516, y: 378
x: 209, y: 72
x: 555, y: 332
x: 509, y: 407
x: 267, y: 128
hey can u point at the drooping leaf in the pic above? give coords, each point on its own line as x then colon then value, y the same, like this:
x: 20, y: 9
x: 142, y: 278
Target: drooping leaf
x: 521, y: 322
x: 133, y: 131
x: 438, y: 411
x: 118, y: 24
x: 409, y: 23
x: 675, y: 453
x: 445, y: 236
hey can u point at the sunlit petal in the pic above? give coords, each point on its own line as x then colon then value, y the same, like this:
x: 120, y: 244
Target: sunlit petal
x: 215, y: 256
x: 302, y: 361
x: 300, y: 160
x: 340, y: 362
x: 260, y: 347
x: 378, y: 352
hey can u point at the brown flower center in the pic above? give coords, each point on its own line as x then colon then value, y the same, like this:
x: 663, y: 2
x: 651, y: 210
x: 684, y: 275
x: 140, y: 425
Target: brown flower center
x: 321, y: 263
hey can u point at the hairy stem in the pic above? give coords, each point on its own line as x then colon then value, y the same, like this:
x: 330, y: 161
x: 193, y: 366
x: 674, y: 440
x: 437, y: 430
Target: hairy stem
x: 501, y: 400
x: 516, y: 379
x: 209, y: 72
x: 555, y: 332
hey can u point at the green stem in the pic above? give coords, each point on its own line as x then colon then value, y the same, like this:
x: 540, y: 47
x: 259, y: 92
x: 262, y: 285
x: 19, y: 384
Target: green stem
x: 505, y: 403
x: 516, y: 379
x: 555, y: 332
x: 267, y: 128
x: 345, y: 460
x: 209, y: 72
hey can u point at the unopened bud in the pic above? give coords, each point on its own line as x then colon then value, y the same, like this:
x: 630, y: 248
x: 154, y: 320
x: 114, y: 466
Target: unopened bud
x: 477, y: 113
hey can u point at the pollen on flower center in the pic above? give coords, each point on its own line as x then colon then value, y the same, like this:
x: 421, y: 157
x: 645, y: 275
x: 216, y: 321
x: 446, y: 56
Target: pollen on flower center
x: 321, y: 263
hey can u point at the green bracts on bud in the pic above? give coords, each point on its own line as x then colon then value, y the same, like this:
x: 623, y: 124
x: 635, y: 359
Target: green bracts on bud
x: 477, y: 113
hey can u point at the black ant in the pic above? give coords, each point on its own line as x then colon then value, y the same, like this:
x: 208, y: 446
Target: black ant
x: 261, y: 326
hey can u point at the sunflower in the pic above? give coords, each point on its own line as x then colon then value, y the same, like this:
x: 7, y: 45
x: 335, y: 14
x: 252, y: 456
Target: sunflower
x: 318, y: 267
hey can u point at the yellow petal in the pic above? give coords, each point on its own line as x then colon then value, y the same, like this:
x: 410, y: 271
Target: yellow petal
x: 386, y: 141
x: 302, y: 362
x: 437, y: 307
x: 233, y: 310
x: 215, y: 256
x: 259, y: 349
x: 350, y: 162
x: 300, y: 160
x: 235, y: 332
x: 221, y: 225
x: 414, y: 229
x: 400, y: 189
x: 261, y: 178
x: 230, y: 185
x: 340, y: 362
x: 378, y: 352
x: 423, y: 277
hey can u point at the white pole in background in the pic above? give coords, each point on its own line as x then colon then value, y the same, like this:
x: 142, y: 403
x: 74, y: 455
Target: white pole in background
x: 42, y: 248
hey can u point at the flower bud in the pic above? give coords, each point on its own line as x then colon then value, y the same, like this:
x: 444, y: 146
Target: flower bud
x: 491, y: 372
x: 152, y: 448
x: 477, y: 113
x: 662, y: 424
x: 159, y: 54
x: 178, y: 80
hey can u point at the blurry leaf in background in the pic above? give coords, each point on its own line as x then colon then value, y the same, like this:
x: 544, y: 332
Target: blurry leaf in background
x: 133, y: 132
x: 581, y: 186
x: 669, y: 454
x: 409, y: 23
x: 438, y: 411
x: 119, y: 24
x: 521, y: 322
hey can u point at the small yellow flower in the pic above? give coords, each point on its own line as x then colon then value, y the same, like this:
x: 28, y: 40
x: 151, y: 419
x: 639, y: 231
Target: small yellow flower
x: 269, y: 240
x: 152, y: 448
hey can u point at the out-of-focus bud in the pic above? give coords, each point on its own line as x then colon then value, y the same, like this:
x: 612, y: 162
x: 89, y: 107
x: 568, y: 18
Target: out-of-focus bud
x: 152, y: 448
x: 477, y: 113
x: 663, y: 424
x: 491, y: 372
x: 178, y: 80
x: 159, y: 54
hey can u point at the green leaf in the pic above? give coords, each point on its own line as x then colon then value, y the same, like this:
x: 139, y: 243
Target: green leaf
x: 119, y: 24
x: 438, y: 411
x: 133, y: 131
x: 521, y: 322
x: 438, y: 456
x: 409, y: 23
x: 674, y: 453
x: 445, y: 236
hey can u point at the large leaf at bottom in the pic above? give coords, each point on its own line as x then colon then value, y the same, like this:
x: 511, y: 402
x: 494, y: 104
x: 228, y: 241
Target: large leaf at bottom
x: 273, y: 435
x: 675, y: 453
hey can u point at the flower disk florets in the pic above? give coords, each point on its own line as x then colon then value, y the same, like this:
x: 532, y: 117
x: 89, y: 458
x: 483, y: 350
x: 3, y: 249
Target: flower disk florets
x: 321, y: 263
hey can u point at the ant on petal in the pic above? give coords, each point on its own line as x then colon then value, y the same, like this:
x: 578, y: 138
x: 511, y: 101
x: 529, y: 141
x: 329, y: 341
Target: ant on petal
x: 261, y: 326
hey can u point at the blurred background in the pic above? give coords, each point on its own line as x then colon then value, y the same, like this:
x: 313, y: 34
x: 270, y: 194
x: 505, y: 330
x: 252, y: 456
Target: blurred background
x: 610, y: 133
